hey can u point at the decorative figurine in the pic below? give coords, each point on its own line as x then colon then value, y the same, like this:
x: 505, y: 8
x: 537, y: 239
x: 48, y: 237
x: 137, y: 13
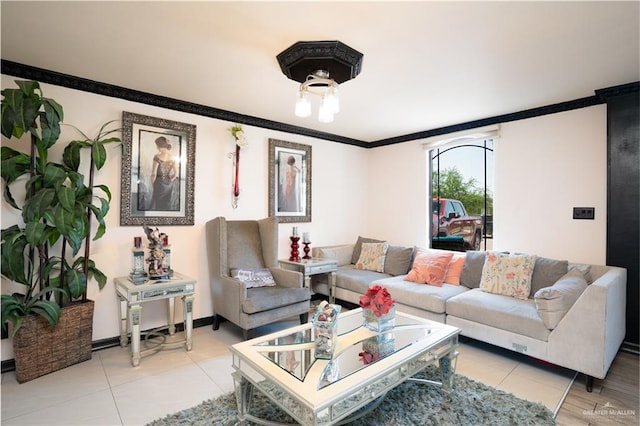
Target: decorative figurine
x: 158, y: 268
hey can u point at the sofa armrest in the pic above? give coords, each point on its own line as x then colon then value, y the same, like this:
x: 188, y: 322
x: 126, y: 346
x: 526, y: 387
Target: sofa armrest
x: 589, y: 335
x: 341, y: 252
x: 287, y: 278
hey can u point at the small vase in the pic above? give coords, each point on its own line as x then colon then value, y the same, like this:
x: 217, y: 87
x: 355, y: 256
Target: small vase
x: 381, y: 323
x: 325, y: 335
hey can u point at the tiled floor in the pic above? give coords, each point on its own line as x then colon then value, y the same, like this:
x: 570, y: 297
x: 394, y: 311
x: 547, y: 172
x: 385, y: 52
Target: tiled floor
x: 107, y: 391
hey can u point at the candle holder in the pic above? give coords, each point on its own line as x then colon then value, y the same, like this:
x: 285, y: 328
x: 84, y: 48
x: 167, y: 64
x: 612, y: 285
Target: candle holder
x: 295, y: 254
x: 306, y: 250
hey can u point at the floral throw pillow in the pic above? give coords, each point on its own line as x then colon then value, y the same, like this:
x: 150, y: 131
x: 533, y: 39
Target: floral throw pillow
x: 508, y: 274
x: 372, y: 256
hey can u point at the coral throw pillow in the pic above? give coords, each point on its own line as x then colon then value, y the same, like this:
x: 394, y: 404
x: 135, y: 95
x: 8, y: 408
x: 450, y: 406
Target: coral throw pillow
x: 429, y: 268
x: 508, y: 274
x: 454, y: 270
x: 372, y: 256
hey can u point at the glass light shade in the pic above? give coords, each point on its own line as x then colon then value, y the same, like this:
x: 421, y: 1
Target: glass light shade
x: 325, y: 113
x: 303, y: 105
x: 332, y: 100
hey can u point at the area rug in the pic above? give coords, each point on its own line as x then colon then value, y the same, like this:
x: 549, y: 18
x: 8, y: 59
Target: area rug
x: 411, y: 403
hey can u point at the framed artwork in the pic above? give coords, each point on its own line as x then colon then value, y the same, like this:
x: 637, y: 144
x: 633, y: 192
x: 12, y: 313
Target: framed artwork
x: 289, y: 181
x: 158, y: 166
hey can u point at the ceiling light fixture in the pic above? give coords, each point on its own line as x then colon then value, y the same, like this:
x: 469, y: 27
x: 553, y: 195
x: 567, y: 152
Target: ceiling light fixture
x: 319, y: 66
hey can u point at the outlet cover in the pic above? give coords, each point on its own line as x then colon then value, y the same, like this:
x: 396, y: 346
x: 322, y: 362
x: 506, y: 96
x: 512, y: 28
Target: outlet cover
x: 584, y: 213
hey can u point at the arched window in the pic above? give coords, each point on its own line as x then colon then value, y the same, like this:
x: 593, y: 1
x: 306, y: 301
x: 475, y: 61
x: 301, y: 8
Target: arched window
x: 462, y: 192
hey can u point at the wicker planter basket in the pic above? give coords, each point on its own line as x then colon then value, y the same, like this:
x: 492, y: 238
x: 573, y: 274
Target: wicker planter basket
x: 40, y: 349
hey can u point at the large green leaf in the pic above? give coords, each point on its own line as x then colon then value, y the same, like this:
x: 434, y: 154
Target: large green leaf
x: 13, y: 256
x: 36, y: 205
x: 71, y: 155
x: 14, y: 164
x: 107, y: 192
x: 35, y: 233
x: 19, y: 111
x: 99, y: 154
x: 48, y: 309
x: 54, y: 175
x: 66, y: 197
x: 50, y: 122
x: 76, y: 282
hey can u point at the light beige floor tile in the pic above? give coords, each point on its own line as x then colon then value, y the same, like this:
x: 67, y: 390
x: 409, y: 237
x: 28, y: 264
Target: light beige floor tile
x: 531, y: 390
x: 153, y: 397
x: 118, y: 368
x: 489, y: 375
x: 209, y: 344
x: 548, y: 376
x: 96, y: 408
x: 219, y: 370
x: 52, y: 389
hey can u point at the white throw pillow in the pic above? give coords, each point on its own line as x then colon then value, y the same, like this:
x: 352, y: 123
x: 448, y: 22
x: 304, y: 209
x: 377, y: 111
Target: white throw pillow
x: 254, y: 277
x: 554, y: 302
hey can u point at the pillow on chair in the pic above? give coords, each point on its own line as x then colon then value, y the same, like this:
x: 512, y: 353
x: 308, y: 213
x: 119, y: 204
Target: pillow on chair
x: 254, y: 277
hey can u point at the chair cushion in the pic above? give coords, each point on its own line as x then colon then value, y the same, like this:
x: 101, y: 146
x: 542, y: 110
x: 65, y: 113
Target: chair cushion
x: 502, y: 312
x: 427, y: 297
x: 265, y: 298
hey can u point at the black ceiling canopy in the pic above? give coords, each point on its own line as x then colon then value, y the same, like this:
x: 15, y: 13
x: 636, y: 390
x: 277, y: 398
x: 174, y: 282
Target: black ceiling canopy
x: 306, y: 57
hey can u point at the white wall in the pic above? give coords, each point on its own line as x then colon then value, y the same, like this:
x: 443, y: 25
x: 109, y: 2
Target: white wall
x: 544, y: 167
x: 338, y: 176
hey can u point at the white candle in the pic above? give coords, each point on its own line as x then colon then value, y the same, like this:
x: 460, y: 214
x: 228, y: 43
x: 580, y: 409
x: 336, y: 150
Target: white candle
x: 295, y: 231
x: 305, y: 237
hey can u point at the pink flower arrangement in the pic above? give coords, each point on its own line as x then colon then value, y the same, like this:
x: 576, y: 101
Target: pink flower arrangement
x: 378, y: 299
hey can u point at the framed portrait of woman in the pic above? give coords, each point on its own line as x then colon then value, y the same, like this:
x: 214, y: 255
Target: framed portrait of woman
x: 158, y: 167
x: 289, y: 181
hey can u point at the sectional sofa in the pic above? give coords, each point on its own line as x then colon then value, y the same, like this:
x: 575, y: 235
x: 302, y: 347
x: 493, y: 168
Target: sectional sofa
x: 574, y: 315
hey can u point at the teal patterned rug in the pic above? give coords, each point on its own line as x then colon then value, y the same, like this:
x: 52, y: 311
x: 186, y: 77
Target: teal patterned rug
x: 410, y: 404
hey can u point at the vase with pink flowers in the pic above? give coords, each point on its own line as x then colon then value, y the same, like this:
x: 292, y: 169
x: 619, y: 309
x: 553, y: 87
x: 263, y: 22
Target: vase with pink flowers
x: 378, y: 309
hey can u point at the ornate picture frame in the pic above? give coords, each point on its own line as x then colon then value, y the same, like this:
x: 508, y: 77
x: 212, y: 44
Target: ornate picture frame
x: 158, y: 171
x: 289, y: 181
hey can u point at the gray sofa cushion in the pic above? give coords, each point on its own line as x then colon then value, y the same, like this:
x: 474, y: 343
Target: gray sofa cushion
x: 264, y: 298
x: 471, y: 274
x: 546, y: 272
x: 398, y: 260
x: 555, y: 301
x: 503, y: 312
x: 358, y: 247
x: 357, y: 280
x: 422, y: 296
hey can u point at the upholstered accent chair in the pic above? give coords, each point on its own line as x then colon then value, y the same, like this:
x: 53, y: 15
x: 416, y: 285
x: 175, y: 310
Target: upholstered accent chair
x: 251, y: 245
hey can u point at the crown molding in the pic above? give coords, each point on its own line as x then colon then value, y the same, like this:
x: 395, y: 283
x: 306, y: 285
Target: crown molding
x: 65, y: 80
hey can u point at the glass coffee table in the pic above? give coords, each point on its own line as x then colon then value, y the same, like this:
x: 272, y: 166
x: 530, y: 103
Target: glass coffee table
x: 365, y: 365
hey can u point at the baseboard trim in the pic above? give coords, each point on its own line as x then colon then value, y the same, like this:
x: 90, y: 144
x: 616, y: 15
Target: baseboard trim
x: 110, y: 342
x: 632, y: 348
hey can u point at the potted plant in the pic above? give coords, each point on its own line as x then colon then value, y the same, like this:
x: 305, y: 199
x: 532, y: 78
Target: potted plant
x: 41, y: 254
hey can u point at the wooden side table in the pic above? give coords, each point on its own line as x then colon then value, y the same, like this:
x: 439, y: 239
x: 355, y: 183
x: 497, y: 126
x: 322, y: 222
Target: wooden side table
x: 132, y: 296
x: 309, y: 267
